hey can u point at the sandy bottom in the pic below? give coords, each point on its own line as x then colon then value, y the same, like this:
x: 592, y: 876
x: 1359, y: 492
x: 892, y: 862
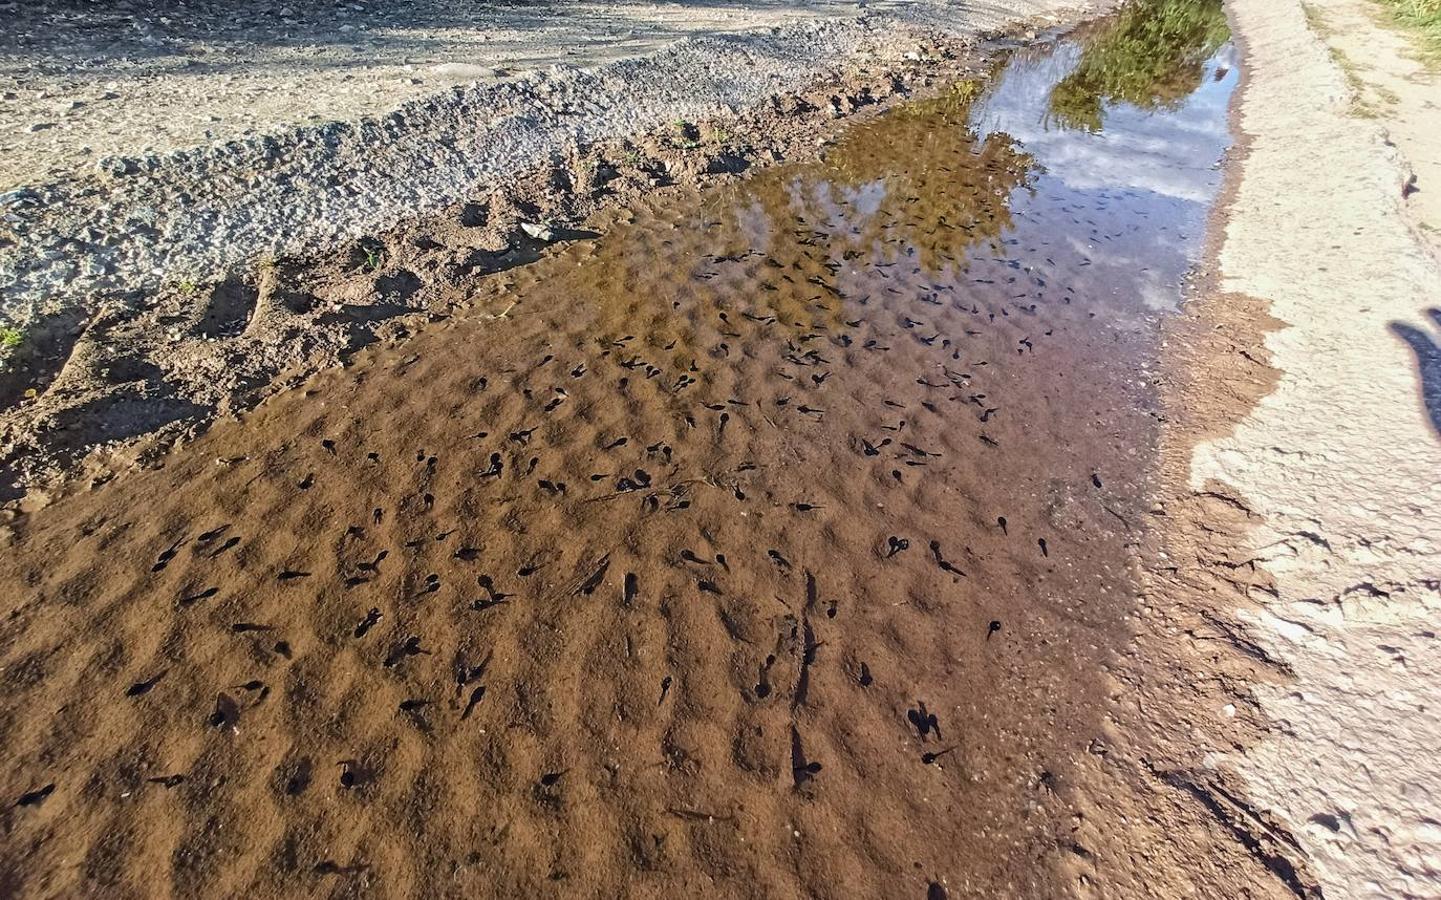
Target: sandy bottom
x: 773, y: 544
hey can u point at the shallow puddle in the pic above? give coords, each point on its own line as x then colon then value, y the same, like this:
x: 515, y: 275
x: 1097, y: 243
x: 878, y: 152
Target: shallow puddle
x: 772, y: 544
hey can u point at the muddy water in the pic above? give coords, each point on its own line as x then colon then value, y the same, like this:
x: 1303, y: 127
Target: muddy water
x: 772, y: 544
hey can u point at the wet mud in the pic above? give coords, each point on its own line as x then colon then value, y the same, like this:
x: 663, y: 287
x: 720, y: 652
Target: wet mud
x: 773, y: 543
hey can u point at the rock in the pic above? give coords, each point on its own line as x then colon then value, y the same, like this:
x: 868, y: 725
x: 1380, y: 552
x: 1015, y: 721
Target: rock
x: 462, y: 71
x: 539, y: 232
x: 725, y: 163
x: 21, y: 198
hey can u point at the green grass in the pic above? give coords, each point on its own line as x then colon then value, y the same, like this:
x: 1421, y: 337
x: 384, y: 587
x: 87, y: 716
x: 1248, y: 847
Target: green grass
x: 1424, y: 18
x: 10, y: 338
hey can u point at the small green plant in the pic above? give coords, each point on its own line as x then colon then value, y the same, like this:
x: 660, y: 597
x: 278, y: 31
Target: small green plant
x: 374, y: 256
x: 632, y: 159
x: 187, y: 287
x: 10, y: 341
x: 688, y: 135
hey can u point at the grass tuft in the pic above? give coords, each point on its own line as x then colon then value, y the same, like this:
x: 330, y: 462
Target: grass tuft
x: 1424, y: 18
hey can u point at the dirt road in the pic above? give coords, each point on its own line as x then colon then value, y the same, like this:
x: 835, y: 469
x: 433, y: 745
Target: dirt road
x: 1004, y: 472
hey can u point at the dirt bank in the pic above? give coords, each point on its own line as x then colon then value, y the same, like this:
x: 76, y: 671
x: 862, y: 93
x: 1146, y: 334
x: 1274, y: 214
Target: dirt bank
x: 84, y: 86
x: 1330, y: 483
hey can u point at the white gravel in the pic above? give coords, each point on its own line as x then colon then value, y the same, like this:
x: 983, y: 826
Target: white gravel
x: 80, y: 81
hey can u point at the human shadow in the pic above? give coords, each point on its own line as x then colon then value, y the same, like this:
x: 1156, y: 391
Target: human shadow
x: 1428, y: 363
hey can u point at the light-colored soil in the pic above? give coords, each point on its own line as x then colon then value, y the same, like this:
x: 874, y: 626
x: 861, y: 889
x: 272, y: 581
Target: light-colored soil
x: 1334, y: 473
x: 83, y: 81
x: 1392, y: 85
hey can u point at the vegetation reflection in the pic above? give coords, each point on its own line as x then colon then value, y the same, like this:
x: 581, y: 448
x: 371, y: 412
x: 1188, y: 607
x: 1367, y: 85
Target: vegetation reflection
x: 1152, y: 56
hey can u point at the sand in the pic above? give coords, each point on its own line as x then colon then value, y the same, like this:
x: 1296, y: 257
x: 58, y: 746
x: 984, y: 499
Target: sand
x: 869, y: 527
x: 774, y: 544
x: 1334, y: 471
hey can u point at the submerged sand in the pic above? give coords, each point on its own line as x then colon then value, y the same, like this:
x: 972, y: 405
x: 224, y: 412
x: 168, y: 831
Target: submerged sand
x: 871, y: 526
x: 779, y: 542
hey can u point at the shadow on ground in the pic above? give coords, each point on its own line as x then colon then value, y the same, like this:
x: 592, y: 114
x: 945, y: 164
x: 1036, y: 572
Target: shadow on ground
x: 1428, y: 363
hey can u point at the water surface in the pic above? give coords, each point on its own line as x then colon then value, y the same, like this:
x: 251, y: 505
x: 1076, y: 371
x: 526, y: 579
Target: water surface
x: 773, y: 544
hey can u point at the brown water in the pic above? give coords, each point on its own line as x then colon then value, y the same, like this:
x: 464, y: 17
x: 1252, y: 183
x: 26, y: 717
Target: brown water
x: 772, y: 544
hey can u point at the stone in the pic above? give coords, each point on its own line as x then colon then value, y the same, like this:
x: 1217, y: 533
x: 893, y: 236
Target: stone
x: 458, y: 71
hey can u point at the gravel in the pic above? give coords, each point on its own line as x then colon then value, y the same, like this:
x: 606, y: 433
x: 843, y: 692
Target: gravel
x: 136, y: 222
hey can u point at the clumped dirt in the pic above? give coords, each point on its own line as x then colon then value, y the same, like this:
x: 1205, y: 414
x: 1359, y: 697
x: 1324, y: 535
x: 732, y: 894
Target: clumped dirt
x: 781, y: 544
x: 95, y: 394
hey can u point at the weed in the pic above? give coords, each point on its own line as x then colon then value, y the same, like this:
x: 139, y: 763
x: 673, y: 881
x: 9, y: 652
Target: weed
x: 1423, y: 18
x: 10, y: 341
x: 374, y: 256
x: 689, y: 135
x: 187, y: 287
